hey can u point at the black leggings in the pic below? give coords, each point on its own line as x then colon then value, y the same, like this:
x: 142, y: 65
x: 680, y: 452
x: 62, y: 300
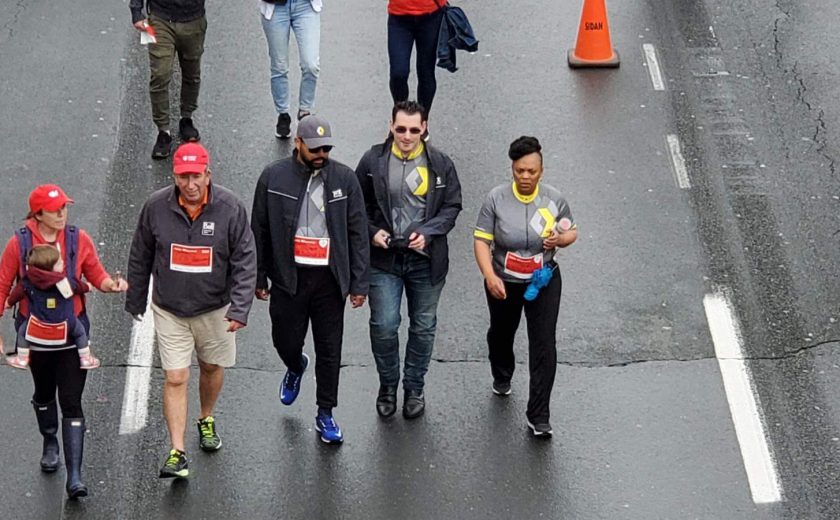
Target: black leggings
x: 59, y: 371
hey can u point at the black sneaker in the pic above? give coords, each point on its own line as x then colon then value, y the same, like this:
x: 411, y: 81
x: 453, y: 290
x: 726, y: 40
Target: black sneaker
x: 163, y: 146
x: 208, y: 439
x: 302, y: 114
x: 540, y: 429
x: 175, y: 465
x: 501, y: 388
x: 187, y: 131
x: 284, y: 126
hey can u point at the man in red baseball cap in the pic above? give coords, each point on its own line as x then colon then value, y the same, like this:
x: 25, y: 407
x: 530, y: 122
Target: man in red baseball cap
x: 196, y: 238
x: 49, y: 197
x: 191, y: 169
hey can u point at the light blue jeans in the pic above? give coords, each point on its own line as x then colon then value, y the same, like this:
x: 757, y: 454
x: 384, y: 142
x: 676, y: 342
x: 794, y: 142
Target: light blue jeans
x: 412, y: 275
x: 298, y: 16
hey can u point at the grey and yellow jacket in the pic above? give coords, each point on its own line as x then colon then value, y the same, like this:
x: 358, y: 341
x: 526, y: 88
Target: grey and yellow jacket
x: 278, y: 198
x: 198, y: 266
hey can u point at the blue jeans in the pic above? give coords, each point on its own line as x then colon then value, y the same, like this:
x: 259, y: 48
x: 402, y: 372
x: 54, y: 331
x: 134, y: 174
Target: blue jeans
x: 411, y: 272
x: 298, y: 16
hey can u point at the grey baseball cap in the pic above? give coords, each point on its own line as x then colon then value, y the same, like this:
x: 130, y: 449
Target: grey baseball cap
x: 315, y: 132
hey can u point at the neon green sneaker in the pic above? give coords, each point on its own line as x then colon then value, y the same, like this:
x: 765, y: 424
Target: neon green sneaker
x: 175, y: 465
x: 208, y: 439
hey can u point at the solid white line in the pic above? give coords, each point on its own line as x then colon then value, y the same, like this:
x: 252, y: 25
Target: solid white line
x: 744, y: 405
x: 680, y: 171
x: 653, y: 67
x: 135, y: 405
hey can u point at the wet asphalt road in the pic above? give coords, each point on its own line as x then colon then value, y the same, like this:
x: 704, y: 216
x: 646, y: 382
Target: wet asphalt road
x: 642, y: 425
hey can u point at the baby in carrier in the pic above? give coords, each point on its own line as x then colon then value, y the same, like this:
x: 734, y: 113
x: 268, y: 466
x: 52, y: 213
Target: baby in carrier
x: 52, y: 323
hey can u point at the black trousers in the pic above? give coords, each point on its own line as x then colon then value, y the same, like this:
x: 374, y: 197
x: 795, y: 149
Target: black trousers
x: 318, y: 299
x: 404, y: 33
x: 541, y: 316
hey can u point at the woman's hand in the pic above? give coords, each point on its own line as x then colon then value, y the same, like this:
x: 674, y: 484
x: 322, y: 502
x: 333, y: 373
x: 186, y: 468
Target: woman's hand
x: 496, y: 287
x: 115, y: 284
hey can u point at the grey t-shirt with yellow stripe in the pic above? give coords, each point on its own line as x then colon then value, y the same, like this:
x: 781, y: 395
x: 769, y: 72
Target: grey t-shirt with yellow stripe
x: 408, y: 184
x: 515, y: 225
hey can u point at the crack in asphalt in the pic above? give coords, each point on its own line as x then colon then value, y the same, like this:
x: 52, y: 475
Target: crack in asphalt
x: 820, y: 132
x: 788, y: 355
x: 8, y: 27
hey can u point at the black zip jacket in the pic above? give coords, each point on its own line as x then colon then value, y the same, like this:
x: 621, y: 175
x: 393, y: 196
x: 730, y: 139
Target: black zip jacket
x: 222, y: 225
x: 443, y: 204
x: 274, y: 219
x: 170, y: 10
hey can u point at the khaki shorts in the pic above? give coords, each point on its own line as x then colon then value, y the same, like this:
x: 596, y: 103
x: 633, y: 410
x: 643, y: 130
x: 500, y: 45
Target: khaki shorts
x: 206, y: 334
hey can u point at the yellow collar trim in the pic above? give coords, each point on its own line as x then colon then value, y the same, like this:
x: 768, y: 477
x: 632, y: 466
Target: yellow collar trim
x: 525, y: 199
x: 410, y: 157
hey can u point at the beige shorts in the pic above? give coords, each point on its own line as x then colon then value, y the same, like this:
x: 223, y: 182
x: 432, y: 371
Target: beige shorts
x: 206, y: 334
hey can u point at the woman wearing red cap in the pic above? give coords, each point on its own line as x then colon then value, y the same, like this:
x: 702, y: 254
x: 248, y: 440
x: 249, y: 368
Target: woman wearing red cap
x: 56, y: 369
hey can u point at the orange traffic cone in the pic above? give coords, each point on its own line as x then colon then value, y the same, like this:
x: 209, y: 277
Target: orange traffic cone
x: 593, y: 48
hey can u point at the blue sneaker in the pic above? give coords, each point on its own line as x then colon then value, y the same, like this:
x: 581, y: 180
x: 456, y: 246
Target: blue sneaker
x: 290, y: 388
x: 328, y: 428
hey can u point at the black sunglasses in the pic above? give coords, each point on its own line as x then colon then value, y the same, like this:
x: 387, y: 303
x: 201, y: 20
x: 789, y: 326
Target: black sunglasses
x: 403, y: 129
x: 324, y: 149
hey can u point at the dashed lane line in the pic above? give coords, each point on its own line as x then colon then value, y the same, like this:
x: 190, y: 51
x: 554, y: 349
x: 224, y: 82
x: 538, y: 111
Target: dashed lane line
x: 678, y: 161
x: 653, y: 66
x: 744, y: 405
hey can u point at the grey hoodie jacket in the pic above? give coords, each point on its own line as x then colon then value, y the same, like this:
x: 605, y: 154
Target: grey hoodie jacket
x: 197, y: 266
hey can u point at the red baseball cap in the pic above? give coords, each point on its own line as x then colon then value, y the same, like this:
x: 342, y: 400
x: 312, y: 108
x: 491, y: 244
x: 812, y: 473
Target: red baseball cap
x: 48, y: 197
x: 190, y: 158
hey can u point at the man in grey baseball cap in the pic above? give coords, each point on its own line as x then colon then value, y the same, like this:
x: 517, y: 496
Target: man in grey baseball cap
x: 315, y: 132
x: 312, y: 273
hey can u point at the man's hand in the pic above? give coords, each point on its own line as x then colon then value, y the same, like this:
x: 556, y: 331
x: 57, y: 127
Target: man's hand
x: 141, y: 25
x: 380, y: 239
x: 496, y: 287
x: 357, y: 300
x: 234, y: 325
x: 417, y: 241
x: 261, y: 294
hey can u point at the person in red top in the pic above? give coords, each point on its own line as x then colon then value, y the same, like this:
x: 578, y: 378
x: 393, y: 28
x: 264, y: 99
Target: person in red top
x: 58, y: 370
x: 414, y: 23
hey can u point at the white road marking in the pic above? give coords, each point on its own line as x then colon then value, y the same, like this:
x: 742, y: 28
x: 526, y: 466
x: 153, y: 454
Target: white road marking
x: 680, y: 171
x: 653, y: 67
x: 744, y: 405
x: 135, y: 405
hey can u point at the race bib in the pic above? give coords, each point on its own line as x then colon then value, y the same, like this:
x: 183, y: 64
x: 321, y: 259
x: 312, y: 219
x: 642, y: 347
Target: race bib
x: 191, y: 259
x: 312, y: 251
x: 522, y: 266
x: 42, y: 333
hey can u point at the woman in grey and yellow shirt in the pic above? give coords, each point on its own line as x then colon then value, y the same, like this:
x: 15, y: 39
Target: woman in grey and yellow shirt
x: 520, y: 226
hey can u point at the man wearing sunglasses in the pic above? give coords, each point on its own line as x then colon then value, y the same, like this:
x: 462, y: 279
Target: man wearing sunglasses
x: 412, y: 198
x: 312, y: 243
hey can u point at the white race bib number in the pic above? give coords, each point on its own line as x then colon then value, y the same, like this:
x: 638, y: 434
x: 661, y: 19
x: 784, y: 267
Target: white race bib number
x: 191, y: 259
x: 522, y: 267
x: 42, y: 333
x: 312, y: 251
